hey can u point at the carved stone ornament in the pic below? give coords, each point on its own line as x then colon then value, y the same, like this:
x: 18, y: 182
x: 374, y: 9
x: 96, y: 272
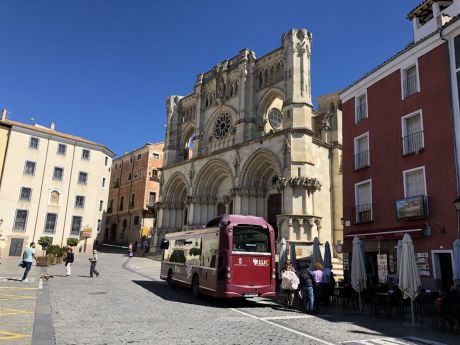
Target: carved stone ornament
x: 188, y: 199
x: 226, y: 199
x: 318, y: 223
x: 311, y: 184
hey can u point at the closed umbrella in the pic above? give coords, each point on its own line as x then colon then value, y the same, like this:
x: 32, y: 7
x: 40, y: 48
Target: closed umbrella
x: 398, y: 255
x: 358, y: 269
x: 316, y: 256
x: 293, y: 255
x: 409, y: 279
x: 327, y: 255
x: 457, y: 260
x: 282, y: 255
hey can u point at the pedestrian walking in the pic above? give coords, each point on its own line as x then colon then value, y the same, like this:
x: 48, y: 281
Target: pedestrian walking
x: 69, y: 261
x: 307, y: 282
x: 93, y: 261
x: 289, y: 283
x: 130, y: 250
x: 319, y: 285
x: 27, y: 259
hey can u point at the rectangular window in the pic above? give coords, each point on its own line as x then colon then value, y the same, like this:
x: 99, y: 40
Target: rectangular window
x: 361, y: 108
x: 155, y: 173
x: 122, y: 201
x: 101, y: 205
x: 26, y: 194
x: 82, y: 177
x: 85, y: 155
x: 20, y: 220
x: 58, y: 174
x: 156, y: 155
x: 129, y: 177
x: 130, y: 159
x: 29, y: 168
x: 106, y: 161
x: 152, y: 198
x: 414, y: 182
x: 457, y: 51
x: 76, y: 225
x: 34, y: 142
x: 62, y: 149
x: 99, y: 221
x: 80, y: 201
x: 410, y: 81
x: 132, y: 201
x: 50, y: 224
x: 412, y: 131
x: 363, y: 202
x: 136, y: 220
x: 139, y: 156
x: 362, y: 151
x: 103, y: 182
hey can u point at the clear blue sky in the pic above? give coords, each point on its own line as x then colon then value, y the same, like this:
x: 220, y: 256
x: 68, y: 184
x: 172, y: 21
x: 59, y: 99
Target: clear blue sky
x: 102, y: 69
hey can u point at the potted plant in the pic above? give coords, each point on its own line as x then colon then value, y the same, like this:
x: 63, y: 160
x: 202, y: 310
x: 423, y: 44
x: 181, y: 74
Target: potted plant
x: 72, y: 241
x: 45, y: 242
x: 51, y: 253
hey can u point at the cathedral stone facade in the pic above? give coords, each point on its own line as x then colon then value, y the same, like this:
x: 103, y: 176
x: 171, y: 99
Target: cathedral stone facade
x: 248, y: 141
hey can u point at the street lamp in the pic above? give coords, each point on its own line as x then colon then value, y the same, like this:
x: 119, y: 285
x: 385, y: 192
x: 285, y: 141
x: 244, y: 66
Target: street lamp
x: 457, y: 207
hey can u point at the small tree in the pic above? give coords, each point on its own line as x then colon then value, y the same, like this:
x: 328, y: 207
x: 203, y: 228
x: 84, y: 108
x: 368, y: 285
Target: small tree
x: 45, y: 242
x: 72, y: 241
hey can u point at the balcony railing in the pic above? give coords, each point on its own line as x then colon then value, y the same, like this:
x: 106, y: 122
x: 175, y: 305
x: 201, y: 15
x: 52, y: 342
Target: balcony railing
x: 413, y: 143
x: 410, y: 85
x: 362, y: 160
x: 362, y: 213
x: 412, y: 207
x: 361, y: 111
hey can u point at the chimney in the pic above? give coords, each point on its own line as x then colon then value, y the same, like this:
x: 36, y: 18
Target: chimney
x: 4, y: 111
x: 53, y: 126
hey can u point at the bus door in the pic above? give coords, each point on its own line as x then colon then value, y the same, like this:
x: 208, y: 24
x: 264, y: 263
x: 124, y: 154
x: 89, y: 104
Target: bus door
x: 208, y: 265
x: 251, y: 256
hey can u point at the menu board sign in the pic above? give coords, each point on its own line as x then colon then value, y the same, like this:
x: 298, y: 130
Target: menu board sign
x: 382, y: 264
x: 423, y: 264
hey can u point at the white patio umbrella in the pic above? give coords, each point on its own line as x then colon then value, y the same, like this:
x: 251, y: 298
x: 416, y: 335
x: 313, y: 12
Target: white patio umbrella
x: 398, y: 255
x: 358, y: 269
x: 282, y: 255
x: 456, y: 247
x: 316, y: 256
x: 409, y: 279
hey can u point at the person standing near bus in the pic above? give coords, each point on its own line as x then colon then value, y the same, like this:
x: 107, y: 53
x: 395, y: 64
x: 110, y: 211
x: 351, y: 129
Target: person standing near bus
x: 307, y: 281
x: 289, y: 283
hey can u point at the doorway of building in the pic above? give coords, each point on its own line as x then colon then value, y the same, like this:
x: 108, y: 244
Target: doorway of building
x: 274, y: 209
x: 16, y: 246
x: 445, y: 265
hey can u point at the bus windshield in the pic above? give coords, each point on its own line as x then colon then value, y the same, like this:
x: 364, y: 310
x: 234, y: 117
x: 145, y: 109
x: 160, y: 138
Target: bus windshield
x: 250, y: 239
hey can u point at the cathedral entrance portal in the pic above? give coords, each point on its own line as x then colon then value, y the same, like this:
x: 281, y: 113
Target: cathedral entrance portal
x: 274, y: 209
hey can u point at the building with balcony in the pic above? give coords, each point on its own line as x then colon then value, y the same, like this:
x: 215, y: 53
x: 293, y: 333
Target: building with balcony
x: 51, y: 184
x: 247, y: 141
x: 134, y: 190
x: 400, y: 151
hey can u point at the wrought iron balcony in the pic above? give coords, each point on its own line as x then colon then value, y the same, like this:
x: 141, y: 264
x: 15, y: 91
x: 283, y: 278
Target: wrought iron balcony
x: 361, y: 111
x: 412, y: 207
x: 413, y: 143
x: 410, y: 85
x: 362, y: 214
x: 362, y: 160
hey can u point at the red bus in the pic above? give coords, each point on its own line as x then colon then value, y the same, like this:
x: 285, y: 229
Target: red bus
x: 233, y: 256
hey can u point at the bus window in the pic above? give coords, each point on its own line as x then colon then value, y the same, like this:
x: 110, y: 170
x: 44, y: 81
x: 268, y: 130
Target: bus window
x: 193, y: 251
x: 250, y: 239
x: 209, y: 252
x: 178, y: 256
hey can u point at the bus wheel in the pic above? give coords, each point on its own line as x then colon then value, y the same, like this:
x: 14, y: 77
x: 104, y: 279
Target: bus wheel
x: 195, y: 286
x: 169, y: 279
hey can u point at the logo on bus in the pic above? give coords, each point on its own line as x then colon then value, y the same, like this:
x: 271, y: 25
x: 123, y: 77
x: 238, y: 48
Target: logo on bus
x: 261, y: 262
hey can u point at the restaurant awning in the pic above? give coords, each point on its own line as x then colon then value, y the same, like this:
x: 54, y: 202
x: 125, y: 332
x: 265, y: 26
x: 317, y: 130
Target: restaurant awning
x: 385, y: 234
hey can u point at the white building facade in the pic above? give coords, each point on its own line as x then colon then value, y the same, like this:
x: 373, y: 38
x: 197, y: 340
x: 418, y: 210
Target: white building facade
x: 247, y: 141
x: 53, y: 184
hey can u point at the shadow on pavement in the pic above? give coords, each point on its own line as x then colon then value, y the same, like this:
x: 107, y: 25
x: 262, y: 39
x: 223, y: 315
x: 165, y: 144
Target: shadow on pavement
x: 182, y: 295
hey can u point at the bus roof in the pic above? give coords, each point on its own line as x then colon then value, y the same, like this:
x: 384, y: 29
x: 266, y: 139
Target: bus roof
x: 190, y: 233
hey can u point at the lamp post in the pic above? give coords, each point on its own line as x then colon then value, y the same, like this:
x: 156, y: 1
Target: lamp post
x: 457, y: 208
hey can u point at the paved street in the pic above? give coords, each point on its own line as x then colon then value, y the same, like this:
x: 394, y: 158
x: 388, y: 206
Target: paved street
x: 128, y: 304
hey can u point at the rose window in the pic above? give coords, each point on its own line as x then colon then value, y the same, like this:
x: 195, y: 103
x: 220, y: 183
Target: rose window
x: 276, y: 118
x: 222, y: 126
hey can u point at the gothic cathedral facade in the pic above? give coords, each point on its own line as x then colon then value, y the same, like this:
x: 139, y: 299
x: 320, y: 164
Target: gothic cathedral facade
x: 248, y: 141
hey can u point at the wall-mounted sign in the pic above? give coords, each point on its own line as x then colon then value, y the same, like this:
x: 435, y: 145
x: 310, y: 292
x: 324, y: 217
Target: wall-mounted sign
x: 413, y: 207
x: 86, y: 232
x: 382, y: 265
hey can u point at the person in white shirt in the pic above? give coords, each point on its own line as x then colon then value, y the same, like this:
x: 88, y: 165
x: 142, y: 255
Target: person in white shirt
x: 93, y: 261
